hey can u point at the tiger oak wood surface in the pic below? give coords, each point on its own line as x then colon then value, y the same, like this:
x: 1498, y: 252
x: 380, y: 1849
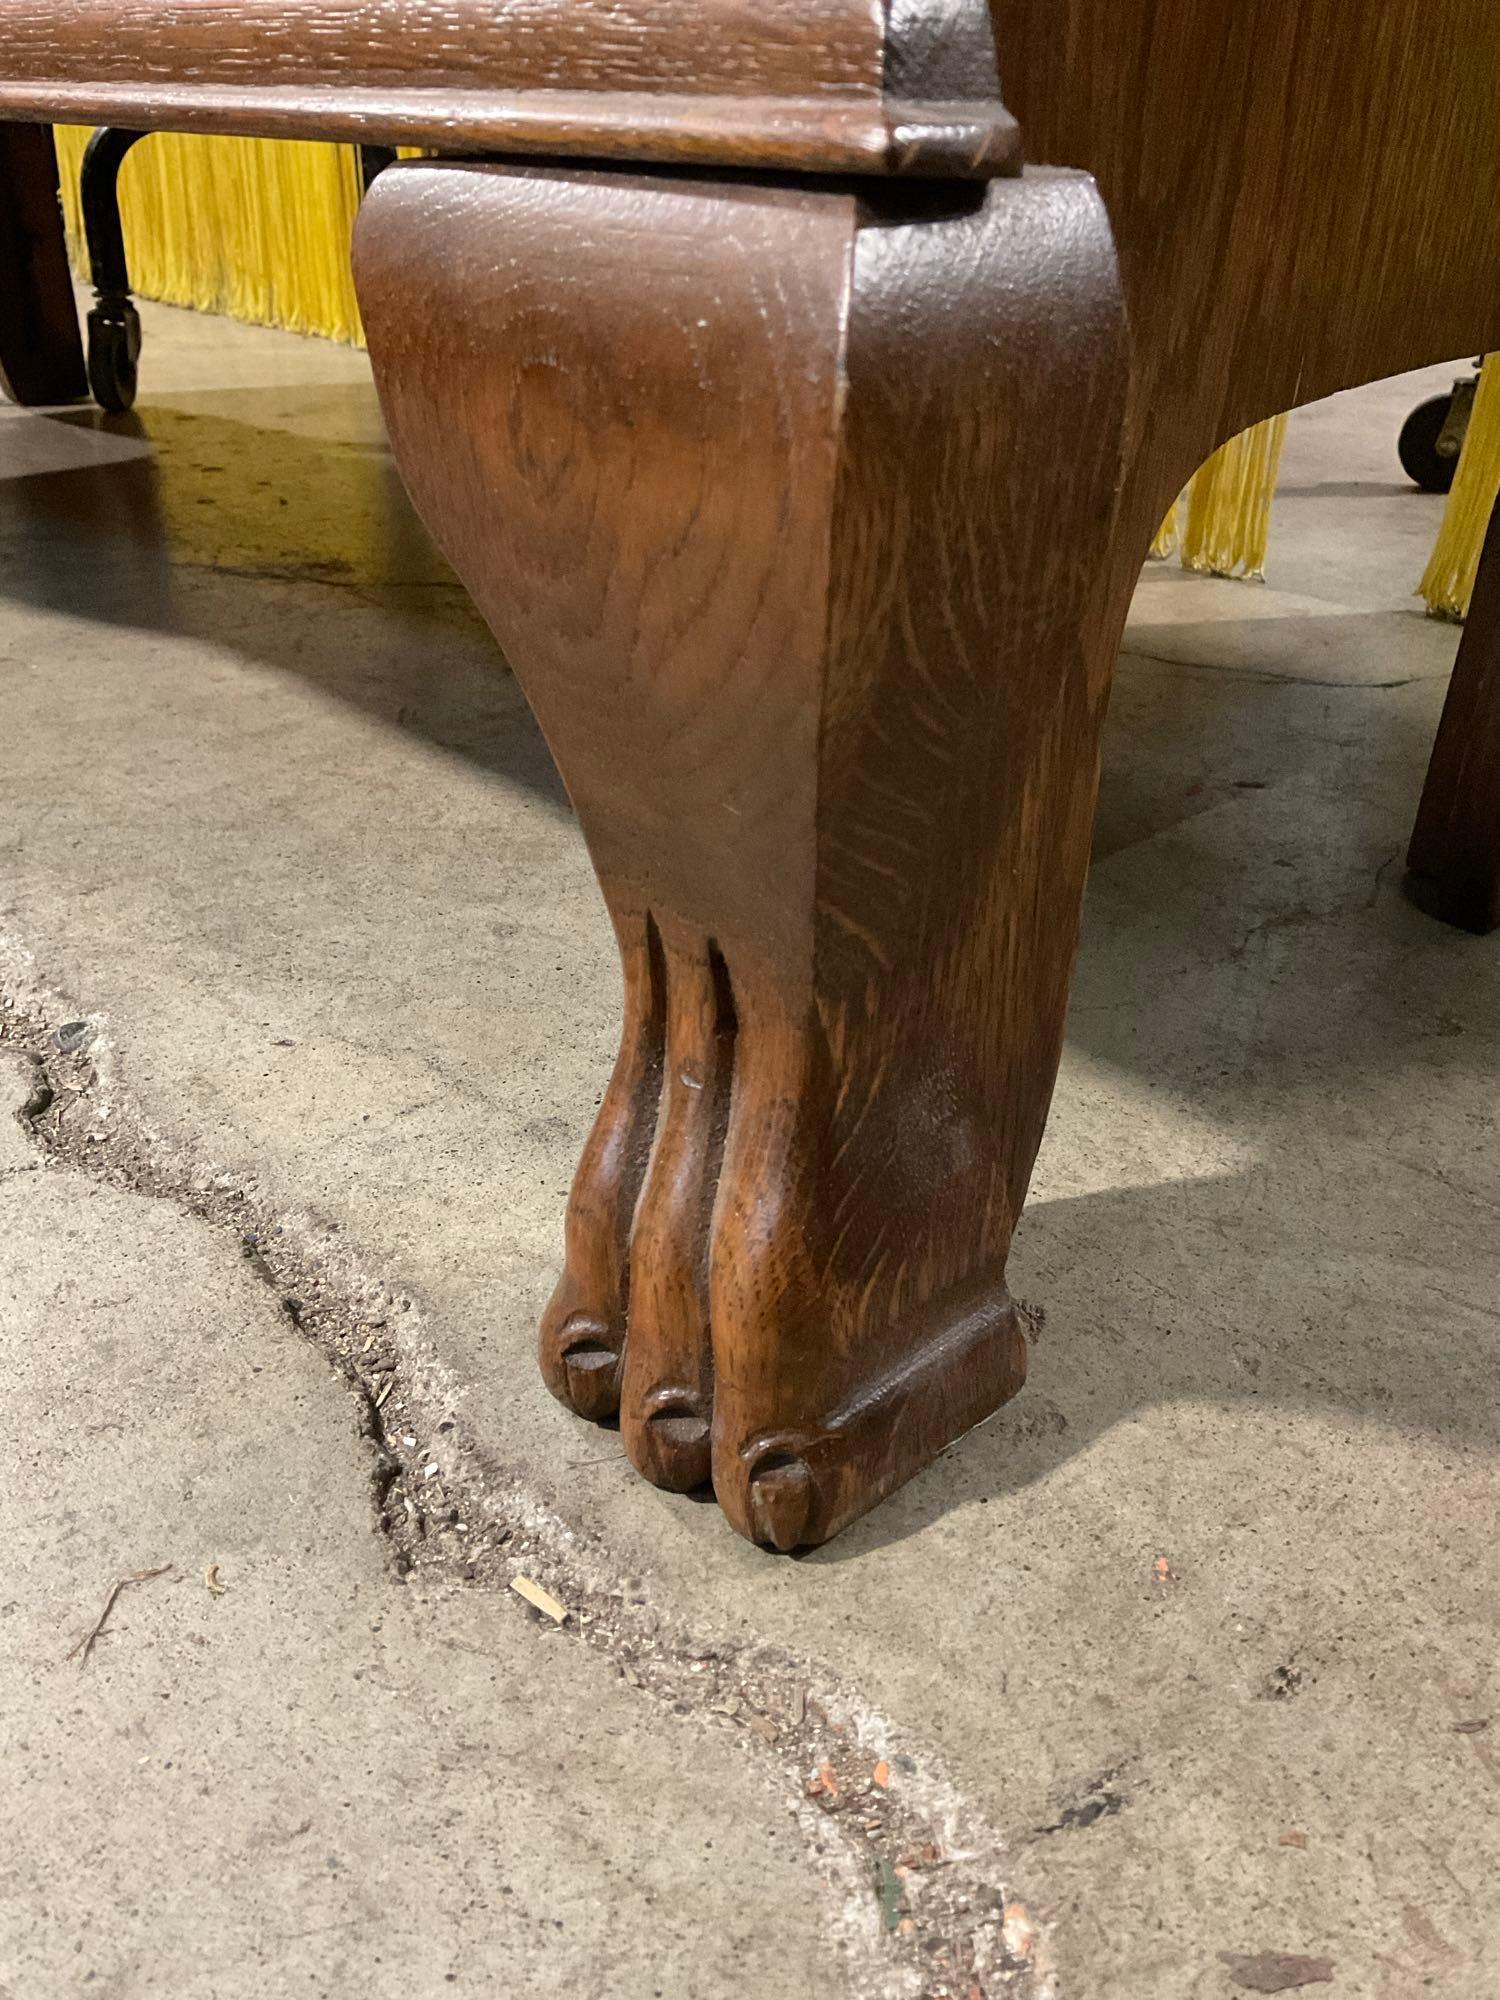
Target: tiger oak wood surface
x: 771, y: 83
x: 1304, y: 197
x: 41, y: 353
x: 831, y: 730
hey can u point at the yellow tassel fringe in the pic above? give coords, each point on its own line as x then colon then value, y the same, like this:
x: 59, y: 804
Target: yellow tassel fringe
x: 1448, y: 581
x: 1229, y: 503
x: 1168, y: 534
x: 1227, y: 506
x: 256, y: 228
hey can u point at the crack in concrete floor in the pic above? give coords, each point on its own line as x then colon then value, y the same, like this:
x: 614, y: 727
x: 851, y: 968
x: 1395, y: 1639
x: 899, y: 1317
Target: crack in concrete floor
x: 918, y: 1858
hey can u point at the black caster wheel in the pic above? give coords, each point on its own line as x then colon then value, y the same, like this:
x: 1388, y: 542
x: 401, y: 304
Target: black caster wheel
x: 114, y: 353
x: 1416, y: 447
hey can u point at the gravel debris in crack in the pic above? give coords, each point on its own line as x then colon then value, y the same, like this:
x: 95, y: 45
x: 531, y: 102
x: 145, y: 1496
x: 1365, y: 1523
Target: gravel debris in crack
x: 913, y: 1877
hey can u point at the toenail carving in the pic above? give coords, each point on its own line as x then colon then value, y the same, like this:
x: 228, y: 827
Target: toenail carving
x: 782, y: 1495
x: 591, y: 1369
x: 675, y: 1443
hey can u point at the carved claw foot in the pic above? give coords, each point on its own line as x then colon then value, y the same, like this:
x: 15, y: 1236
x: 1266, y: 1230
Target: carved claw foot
x: 794, y: 517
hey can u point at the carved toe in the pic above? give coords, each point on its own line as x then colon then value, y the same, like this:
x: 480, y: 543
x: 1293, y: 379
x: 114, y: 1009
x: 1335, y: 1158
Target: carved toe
x: 582, y: 1364
x: 782, y: 1498
x: 671, y: 1448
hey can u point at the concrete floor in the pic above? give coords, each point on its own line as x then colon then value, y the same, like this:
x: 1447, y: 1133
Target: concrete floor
x: 1188, y: 1657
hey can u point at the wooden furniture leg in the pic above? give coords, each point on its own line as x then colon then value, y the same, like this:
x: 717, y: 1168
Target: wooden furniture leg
x: 41, y: 354
x: 1455, y: 847
x: 792, y: 508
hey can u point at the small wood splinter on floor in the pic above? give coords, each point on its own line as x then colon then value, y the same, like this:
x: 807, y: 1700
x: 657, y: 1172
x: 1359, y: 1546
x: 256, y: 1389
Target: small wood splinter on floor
x: 85, y: 1645
x: 543, y: 1600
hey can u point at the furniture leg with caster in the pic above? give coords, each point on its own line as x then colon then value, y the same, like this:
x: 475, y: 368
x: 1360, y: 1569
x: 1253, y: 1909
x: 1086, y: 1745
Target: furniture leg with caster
x: 114, y: 325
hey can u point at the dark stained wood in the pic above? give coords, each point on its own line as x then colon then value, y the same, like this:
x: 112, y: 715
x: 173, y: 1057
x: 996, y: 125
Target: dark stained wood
x: 758, y: 489
x: 41, y: 353
x: 775, y: 134
x: 768, y: 83
x: 1455, y: 848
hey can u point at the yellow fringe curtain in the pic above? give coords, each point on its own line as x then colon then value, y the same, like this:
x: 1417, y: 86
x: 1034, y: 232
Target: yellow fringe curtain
x: 1168, y: 535
x: 256, y: 228
x: 1448, y: 581
x: 1222, y: 523
x: 1229, y: 503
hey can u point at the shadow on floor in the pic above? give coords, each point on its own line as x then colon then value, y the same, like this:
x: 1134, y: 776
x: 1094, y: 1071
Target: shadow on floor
x: 1196, y: 1271
x: 1309, y: 1089
x: 178, y: 509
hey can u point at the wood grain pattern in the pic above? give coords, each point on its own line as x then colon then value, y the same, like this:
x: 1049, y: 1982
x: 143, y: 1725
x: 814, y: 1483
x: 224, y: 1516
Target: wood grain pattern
x: 743, y: 82
x: 753, y: 47
x: 832, y: 736
x: 1455, y: 848
x: 1305, y: 197
x: 41, y: 352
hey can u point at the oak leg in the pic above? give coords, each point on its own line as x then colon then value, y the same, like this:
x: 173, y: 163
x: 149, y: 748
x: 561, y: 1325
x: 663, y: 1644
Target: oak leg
x: 794, y: 518
x: 41, y: 353
x: 1455, y: 847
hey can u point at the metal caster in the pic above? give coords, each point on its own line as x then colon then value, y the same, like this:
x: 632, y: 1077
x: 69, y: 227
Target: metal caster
x: 1433, y: 436
x: 114, y: 324
x: 114, y: 353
